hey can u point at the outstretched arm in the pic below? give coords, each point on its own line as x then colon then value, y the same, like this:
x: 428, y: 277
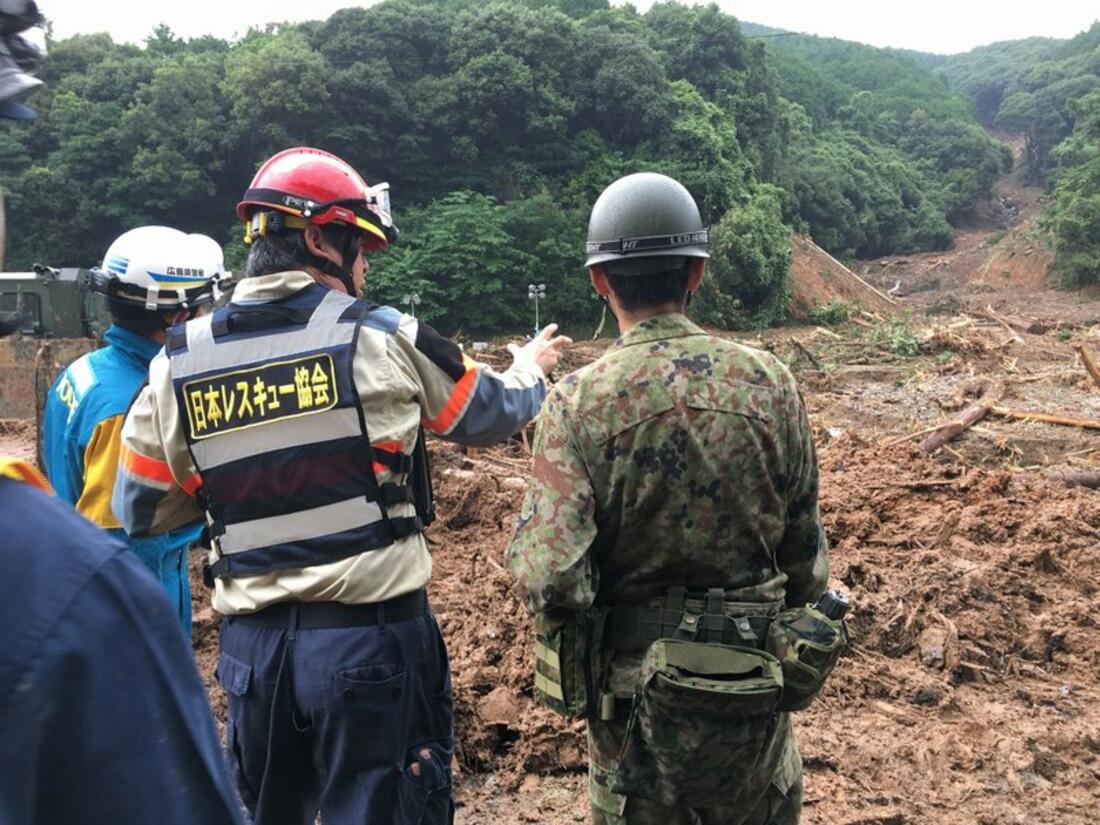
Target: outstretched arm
x: 468, y: 402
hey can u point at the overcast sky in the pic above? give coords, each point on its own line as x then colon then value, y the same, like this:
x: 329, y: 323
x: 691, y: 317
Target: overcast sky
x: 944, y: 26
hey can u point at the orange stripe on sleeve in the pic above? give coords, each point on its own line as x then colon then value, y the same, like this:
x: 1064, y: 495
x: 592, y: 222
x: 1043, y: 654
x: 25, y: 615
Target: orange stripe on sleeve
x: 455, y: 404
x: 145, y: 467
x: 386, y: 447
x: 142, y: 466
x: 192, y: 485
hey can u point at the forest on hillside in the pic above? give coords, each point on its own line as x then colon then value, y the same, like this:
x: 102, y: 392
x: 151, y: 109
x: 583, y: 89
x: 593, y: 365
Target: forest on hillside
x: 1048, y: 90
x: 497, y: 124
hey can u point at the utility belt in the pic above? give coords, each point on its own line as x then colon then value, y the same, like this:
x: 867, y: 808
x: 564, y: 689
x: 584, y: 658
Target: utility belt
x: 709, y: 619
x: 317, y: 615
x: 572, y: 656
x: 710, y: 688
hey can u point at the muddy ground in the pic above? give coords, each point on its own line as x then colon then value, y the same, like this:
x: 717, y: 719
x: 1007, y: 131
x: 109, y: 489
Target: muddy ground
x: 970, y: 692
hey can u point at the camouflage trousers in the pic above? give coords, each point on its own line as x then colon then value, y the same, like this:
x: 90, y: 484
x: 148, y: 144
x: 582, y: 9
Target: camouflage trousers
x: 780, y: 804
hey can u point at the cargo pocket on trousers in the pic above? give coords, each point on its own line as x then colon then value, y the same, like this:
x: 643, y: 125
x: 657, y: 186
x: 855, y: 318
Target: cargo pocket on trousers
x: 371, y: 699
x: 426, y: 799
x: 235, y: 677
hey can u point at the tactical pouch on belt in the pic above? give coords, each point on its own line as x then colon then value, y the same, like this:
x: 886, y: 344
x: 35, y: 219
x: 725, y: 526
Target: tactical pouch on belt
x: 702, y: 730
x: 567, y: 664
x: 808, y: 644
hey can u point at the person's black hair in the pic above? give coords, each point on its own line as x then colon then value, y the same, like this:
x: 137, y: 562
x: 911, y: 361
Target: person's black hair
x: 147, y: 323
x: 287, y: 251
x: 637, y: 291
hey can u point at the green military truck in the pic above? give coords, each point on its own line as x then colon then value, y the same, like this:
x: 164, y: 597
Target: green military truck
x: 52, y: 303
x: 59, y: 318
x: 49, y: 303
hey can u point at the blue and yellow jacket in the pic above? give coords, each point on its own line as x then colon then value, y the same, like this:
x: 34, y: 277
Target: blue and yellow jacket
x: 82, y: 433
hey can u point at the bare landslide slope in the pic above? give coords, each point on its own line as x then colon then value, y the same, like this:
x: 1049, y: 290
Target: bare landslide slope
x: 817, y: 278
x: 999, y: 259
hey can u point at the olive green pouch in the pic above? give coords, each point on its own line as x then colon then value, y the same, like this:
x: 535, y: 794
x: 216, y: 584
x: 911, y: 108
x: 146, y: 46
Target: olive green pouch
x: 808, y: 645
x: 702, y: 731
x: 567, y: 661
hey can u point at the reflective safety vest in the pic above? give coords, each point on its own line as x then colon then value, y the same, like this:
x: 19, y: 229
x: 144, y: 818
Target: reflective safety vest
x: 272, y: 418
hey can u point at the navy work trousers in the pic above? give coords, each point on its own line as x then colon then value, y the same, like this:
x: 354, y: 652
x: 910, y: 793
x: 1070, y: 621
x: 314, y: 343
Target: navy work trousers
x: 332, y: 720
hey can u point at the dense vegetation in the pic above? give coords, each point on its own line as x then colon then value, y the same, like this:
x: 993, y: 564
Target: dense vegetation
x: 497, y: 125
x: 1029, y: 86
x: 1073, y: 216
x: 888, y: 158
x: 1048, y: 90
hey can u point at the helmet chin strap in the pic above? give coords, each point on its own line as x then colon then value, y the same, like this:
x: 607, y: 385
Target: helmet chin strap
x: 342, y: 273
x: 338, y: 272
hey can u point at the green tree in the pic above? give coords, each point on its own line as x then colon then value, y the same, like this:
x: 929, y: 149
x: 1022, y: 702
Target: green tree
x: 625, y: 95
x: 1073, y: 217
x: 748, y: 281
x: 460, y: 258
x: 181, y: 132
x: 700, y: 149
x: 276, y: 89
x: 554, y: 237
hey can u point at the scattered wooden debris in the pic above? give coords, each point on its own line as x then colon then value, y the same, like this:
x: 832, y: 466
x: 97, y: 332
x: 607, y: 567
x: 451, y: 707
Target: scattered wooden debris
x: 1090, y: 364
x: 947, y: 338
x: 828, y: 333
x: 1076, y: 478
x: 1047, y: 418
x: 942, y: 433
x: 928, y: 485
x: 805, y: 351
x: 1013, y: 323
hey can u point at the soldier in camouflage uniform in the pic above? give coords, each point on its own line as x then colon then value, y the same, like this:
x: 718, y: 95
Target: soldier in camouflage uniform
x: 678, y: 459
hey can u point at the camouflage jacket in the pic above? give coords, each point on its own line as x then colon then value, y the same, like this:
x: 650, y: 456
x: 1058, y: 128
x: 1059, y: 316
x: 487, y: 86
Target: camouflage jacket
x: 677, y: 458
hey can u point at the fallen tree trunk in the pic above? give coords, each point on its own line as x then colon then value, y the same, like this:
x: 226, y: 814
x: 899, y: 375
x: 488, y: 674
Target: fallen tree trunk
x: 1014, y: 323
x: 953, y: 429
x: 806, y: 351
x: 1079, y: 478
x: 1026, y: 415
x: 1090, y: 364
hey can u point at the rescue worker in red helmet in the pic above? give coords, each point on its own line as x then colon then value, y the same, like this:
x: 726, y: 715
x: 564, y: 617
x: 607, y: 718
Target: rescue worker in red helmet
x: 295, y: 412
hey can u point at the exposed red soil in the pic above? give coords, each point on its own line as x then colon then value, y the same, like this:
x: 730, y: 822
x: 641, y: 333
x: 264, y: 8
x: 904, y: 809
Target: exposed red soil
x: 817, y: 279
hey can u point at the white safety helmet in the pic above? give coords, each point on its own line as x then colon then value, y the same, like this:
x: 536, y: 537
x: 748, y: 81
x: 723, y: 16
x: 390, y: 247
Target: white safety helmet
x: 160, y: 268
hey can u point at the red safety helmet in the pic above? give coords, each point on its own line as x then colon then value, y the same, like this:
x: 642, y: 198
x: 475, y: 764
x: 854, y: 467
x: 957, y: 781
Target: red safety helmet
x: 312, y: 186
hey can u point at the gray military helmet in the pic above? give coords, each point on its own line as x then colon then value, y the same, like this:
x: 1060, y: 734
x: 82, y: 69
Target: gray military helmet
x: 644, y: 215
